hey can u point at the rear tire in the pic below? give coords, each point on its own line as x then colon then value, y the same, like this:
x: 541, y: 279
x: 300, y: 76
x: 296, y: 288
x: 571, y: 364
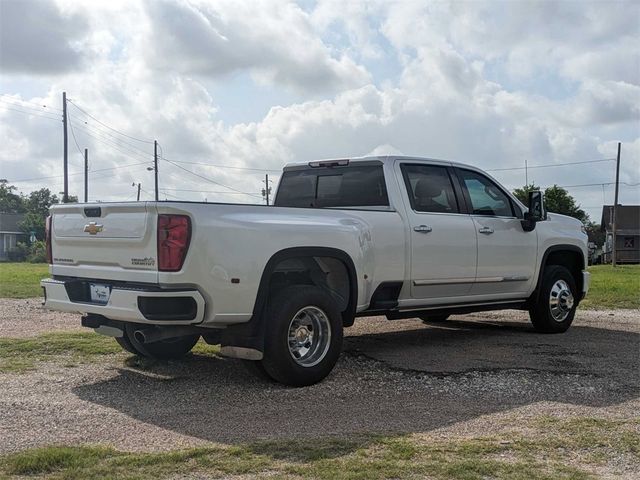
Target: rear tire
x: 256, y: 369
x: 555, y: 308
x: 434, y: 318
x: 169, y: 349
x: 304, y: 336
x: 124, y: 342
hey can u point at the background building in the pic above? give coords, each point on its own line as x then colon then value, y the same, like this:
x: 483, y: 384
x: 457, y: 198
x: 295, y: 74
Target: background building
x: 10, y: 233
x: 627, y: 233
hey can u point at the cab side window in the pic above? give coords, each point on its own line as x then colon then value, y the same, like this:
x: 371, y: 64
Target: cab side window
x: 485, y: 196
x: 430, y: 189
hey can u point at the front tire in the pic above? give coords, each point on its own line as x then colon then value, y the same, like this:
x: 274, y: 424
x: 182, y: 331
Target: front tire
x: 556, y: 305
x: 304, y: 336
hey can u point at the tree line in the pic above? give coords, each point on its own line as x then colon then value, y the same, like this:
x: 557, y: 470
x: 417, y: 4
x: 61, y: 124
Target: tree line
x: 34, y: 207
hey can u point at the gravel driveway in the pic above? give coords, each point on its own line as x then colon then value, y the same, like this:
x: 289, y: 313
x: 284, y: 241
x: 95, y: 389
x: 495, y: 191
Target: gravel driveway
x: 472, y: 375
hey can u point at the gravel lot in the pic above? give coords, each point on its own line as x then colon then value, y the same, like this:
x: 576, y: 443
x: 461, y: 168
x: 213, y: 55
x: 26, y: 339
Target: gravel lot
x: 474, y: 375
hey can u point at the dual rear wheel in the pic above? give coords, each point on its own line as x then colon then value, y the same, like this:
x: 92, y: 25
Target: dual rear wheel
x: 304, y: 337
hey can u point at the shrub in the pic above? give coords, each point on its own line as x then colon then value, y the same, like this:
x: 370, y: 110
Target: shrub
x: 34, y: 253
x: 19, y: 253
x: 37, y: 252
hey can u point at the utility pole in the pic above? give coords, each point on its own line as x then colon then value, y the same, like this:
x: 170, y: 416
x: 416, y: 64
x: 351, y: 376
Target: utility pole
x: 65, y: 194
x: 139, y: 188
x: 86, y: 175
x: 155, y: 165
x: 526, y: 173
x: 615, y: 207
x: 267, y: 189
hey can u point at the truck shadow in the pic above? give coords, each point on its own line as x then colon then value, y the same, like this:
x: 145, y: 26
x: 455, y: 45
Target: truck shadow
x: 412, y: 380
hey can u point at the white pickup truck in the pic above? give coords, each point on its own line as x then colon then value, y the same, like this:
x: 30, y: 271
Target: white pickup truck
x: 275, y: 285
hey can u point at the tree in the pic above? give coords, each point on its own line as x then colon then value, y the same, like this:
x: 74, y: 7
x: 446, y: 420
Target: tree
x: 10, y: 202
x: 556, y: 200
x: 37, y: 209
x: 522, y: 194
x: 595, y: 235
x: 39, y: 201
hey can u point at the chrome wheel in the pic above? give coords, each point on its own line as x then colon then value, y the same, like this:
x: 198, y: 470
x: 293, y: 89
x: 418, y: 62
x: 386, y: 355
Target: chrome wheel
x: 309, y: 336
x: 560, y: 300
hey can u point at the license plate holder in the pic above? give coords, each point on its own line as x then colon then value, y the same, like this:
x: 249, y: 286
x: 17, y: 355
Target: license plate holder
x: 99, y: 293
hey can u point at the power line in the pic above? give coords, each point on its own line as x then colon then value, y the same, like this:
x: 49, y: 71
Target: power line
x: 34, y: 114
x: 227, y: 166
x: 208, y: 179
x: 126, y: 151
x: 30, y: 102
x: 599, y: 184
x: 550, y: 165
x: 107, y: 126
x: 79, y: 173
x: 27, y: 107
x: 173, y: 196
x: 101, y: 132
x: 74, y: 136
x: 112, y: 143
x: 206, y: 191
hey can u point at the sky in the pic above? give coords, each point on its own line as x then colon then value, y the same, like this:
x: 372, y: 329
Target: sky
x: 234, y: 90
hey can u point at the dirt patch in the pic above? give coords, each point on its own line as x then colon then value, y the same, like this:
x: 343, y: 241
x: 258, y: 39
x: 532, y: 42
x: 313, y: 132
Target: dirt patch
x: 25, y: 317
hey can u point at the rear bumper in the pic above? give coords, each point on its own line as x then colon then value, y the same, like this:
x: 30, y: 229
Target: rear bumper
x: 586, y: 282
x: 127, y: 304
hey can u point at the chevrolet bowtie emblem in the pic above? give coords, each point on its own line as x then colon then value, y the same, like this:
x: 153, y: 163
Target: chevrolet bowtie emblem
x: 93, y: 228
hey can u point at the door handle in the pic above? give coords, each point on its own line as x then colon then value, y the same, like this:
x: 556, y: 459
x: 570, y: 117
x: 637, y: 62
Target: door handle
x: 486, y: 230
x: 422, y: 229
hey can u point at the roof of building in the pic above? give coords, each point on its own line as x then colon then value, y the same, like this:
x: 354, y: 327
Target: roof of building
x: 627, y: 219
x: 9, y: 222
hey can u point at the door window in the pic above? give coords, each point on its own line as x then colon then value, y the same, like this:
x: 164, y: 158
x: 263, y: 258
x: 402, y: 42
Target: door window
x: 430, y: 189
x: 485, y: 196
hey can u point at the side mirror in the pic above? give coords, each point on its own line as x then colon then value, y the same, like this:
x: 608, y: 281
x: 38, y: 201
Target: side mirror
x: 536, y: 211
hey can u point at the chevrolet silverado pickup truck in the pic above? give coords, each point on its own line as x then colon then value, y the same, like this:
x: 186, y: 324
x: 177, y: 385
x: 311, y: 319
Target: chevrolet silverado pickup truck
x: 275, y: 286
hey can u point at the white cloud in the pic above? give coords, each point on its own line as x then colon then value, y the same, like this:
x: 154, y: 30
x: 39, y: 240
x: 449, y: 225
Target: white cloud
x: 464, y: 91
x: 36, y: 37
x: 274, y: 40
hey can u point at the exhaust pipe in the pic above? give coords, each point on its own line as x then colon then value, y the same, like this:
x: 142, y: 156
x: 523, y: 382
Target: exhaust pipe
x: 157, y: 334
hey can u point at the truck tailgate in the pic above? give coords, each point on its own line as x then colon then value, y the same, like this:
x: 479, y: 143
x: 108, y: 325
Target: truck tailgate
x: 114, y: 241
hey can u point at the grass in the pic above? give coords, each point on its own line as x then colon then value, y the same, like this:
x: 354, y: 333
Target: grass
x: 21, y: 354
x: 613, y: 288
x: 18, y: 355
x: 552, y: 448
x: 22, y: 280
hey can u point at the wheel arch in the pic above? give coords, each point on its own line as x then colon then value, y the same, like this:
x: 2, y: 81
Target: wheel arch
x: 569, y: 256
x: 309, y: 254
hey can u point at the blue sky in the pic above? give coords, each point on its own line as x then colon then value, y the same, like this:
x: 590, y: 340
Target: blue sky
x: 258, y: 84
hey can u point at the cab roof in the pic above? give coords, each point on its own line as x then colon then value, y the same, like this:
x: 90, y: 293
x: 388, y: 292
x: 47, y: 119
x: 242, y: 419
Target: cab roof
x: 375, y: 158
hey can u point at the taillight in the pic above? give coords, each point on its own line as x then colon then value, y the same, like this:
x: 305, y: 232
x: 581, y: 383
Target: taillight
x: 174, y: 234
x: 47, y: 236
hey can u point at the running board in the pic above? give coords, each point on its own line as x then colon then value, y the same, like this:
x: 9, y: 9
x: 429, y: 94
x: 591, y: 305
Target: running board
x: 456, y: 309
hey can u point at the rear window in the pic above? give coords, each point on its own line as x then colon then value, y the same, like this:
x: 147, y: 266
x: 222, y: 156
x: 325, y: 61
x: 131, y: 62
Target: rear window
x: 325, y: 187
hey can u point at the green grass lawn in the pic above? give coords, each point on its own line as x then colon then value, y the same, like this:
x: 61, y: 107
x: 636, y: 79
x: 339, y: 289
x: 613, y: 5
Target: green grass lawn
x: 610, y: 288
x: 551, y: 448
x: 22, y: 280
x: 613, y: 287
